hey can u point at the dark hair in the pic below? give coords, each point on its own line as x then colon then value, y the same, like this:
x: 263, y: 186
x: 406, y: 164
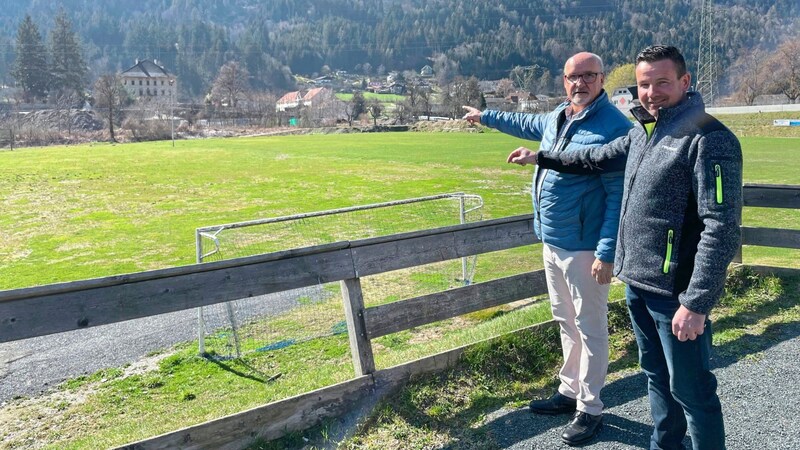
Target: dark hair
x: 655, y: 53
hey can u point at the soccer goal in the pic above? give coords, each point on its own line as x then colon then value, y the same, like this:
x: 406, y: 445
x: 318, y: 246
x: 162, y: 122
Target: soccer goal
x: 274, y: 321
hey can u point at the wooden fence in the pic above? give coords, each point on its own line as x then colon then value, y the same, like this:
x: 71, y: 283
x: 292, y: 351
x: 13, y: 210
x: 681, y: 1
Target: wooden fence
x: 42, y: 310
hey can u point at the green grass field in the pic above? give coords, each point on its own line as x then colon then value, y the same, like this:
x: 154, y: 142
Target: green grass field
x: 383, y: 98
x: 90, y: 211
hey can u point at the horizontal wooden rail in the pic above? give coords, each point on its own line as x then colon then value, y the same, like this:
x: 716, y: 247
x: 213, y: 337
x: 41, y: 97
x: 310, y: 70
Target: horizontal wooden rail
x: 52, y: 309
x: 402, y: 315
x: 768, y: 196
x: 42, y: 310
x: 771, y: 195
x: 400, y: 251
x: 771, y: 237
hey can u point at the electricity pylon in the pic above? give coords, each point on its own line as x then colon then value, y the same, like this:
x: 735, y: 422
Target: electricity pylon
x: 706, y: 55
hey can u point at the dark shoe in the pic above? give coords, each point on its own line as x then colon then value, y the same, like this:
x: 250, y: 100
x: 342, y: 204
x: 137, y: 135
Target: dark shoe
x: 557, y: 404
x: 583, y: 428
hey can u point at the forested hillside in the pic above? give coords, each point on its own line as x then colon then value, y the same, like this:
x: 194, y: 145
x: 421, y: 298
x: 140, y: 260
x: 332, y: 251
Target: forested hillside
x: 277, y: 38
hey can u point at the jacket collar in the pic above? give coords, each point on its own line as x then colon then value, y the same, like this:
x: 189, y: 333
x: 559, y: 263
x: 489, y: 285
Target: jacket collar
x: 692, y: 101
x: 596, y: 104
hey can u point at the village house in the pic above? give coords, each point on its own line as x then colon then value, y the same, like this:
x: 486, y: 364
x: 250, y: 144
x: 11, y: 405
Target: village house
x: 310, y: 99
x: 426, y: 72
x: 524, y: 101
x: 148, y: 80
x: 319, y: 106
x: 625, y: 98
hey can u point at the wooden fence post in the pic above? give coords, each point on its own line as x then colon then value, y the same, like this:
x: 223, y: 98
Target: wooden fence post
x: 360, y: 347
x: 738, y: 258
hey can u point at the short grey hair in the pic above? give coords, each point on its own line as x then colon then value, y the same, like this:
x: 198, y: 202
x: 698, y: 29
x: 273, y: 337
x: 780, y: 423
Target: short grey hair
x: 593, y: 56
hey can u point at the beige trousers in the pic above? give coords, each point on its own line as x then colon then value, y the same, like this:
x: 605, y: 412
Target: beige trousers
x: 580, y: 306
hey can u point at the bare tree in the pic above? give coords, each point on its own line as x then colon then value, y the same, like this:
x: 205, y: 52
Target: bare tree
x: 109, y: 94
x: 445, y: 68
x: 786, y: 77
x: 62, y: 106
x: 412, y: 96
x: 231, y: 84
x: 375, y: 109
x: 459, y: 93
x: 425, y: 100
x: 262, y: 106
x: 504, y: 87
x: 403, y: 111
x: 350, y: 111
x: 449, y: 101
x: 748, y: 76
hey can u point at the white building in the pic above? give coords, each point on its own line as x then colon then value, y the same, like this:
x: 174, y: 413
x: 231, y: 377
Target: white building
x: 311, y: 99
x: 625, y: 98
x: 319, y: 105
x: 146, y: 79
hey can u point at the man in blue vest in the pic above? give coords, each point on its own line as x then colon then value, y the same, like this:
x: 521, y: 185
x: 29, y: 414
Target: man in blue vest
x: 576, y: 217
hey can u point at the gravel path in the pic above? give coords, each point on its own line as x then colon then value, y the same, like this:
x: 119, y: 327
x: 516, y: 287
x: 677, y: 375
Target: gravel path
x: 32, y: 366
x: 758, y: 388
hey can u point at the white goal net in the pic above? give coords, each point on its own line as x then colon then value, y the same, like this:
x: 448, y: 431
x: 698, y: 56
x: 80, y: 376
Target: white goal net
x: 278, y: 320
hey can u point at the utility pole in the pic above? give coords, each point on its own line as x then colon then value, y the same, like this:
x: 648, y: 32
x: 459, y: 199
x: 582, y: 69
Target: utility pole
x: 172, y: 109
x: 172, y: 88
x: 706, y: 55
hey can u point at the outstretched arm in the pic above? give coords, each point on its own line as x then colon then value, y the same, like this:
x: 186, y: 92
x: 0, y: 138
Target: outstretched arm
x: 610, y: 157
x: 522, y: 125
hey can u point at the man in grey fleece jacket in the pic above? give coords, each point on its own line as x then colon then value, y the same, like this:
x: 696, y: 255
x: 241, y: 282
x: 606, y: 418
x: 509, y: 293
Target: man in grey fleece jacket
x: 678, y: 232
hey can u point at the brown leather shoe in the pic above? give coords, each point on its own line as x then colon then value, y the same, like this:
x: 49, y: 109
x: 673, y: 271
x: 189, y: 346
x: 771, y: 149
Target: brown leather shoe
x: 583, y: 428
x: 557, y: 404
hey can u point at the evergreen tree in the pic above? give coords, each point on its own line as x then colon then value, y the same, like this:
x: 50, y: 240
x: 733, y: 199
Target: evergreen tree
x: 484, y: 39
x: 67, y: 65
x: 6, y: 59
x: 30, y: 66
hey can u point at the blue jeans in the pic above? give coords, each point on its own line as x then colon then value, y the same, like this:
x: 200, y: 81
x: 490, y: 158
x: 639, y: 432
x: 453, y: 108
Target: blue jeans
x: 681, y: 387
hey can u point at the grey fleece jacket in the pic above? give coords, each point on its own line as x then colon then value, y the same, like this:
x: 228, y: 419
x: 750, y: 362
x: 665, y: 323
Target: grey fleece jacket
x: 679, y: 224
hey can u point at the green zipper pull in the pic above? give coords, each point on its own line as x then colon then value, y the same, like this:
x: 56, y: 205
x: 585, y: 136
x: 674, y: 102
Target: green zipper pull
x: 718, y: 176
x: 669, y: 251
